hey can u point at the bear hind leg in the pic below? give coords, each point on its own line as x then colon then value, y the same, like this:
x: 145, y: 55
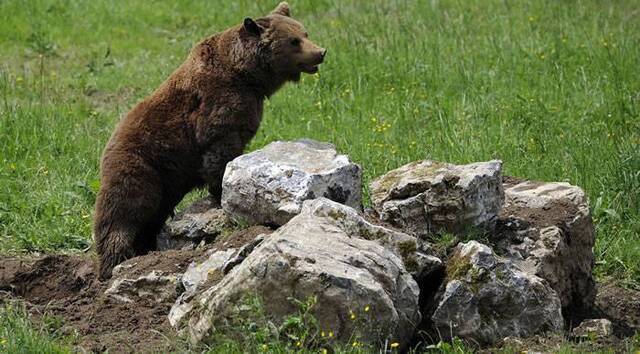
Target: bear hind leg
x: 128, y: 200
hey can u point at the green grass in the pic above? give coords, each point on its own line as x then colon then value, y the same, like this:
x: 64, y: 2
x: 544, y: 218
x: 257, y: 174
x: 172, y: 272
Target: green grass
x: 19, y: 334
x: 550, y: 87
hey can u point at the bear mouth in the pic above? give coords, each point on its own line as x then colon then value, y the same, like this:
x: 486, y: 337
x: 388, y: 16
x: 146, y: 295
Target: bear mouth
x: 309, y: 69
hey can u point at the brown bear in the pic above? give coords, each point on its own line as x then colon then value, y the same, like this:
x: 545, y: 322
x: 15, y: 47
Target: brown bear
x: 182, y: 136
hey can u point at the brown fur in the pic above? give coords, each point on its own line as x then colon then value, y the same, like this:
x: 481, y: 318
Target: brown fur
x: 182, y: 136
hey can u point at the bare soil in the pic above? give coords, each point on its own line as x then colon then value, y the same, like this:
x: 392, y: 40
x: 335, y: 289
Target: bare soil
x: 66, y: 285
x: 620, y: 305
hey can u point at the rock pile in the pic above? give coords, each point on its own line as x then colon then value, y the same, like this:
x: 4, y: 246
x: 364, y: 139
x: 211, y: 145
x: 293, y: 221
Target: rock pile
x: 524, y: 252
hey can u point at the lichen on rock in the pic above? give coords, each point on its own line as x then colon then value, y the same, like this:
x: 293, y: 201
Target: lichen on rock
x: 425, y: 197
x: 486, y: 298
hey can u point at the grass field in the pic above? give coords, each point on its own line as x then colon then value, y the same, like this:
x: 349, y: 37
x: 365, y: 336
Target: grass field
x: 550, y: 87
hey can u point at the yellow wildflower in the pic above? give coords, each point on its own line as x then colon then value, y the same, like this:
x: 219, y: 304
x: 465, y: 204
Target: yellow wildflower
x: 3, y: 341
x: 352, y: 316
x: 322, y: 334
x: 264, y: 347
x: 298, y: 344
x: 366, y: 308
x: 19, y: 79
x: 330, y: 334
x: 394, y: 345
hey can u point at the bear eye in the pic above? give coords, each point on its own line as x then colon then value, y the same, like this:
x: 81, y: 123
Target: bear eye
x: 295, y: 42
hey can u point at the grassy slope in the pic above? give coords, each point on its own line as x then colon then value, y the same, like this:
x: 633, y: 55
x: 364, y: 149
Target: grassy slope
x: 549, y: 87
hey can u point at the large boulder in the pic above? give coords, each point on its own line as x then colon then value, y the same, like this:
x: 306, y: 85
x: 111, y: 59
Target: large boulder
x: 547, y: 229
x: 425, y: 197
x: 269, y: 185
x: 486, y: 298
x: 201, y: 221
x: 330, y: 252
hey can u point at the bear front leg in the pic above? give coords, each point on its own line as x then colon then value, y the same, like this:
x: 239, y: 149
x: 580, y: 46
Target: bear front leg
x: 215, y: 161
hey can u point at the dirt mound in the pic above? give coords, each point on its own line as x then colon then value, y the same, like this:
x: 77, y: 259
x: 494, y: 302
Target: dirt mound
x: 49, y: 278
x: 67, y: 286
x: 620, y: 305
x: 241, y: 237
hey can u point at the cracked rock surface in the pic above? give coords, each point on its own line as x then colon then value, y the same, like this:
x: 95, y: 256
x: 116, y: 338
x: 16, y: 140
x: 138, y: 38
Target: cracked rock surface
x: 486, y: 298
x: 546, y: 228
x: 268, y: 186
x: 426, y: 197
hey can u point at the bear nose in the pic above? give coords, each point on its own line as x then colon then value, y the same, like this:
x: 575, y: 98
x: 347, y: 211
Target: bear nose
x: 323, y: 52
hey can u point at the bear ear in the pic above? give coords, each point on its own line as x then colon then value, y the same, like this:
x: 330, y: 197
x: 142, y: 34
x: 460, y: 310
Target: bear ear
x: 251, y: 26
x: 282, y: 9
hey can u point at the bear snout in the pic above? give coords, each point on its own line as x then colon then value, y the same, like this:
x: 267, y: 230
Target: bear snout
x: 319, y: 57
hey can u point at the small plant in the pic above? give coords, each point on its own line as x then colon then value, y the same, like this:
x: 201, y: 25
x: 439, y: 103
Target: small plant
x: 98, y: 61
x: 41, y: 43
x: 442, y: 243
x: 455, y: 346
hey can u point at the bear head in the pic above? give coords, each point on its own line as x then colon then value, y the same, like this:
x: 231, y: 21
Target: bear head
x: 284, y: 44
